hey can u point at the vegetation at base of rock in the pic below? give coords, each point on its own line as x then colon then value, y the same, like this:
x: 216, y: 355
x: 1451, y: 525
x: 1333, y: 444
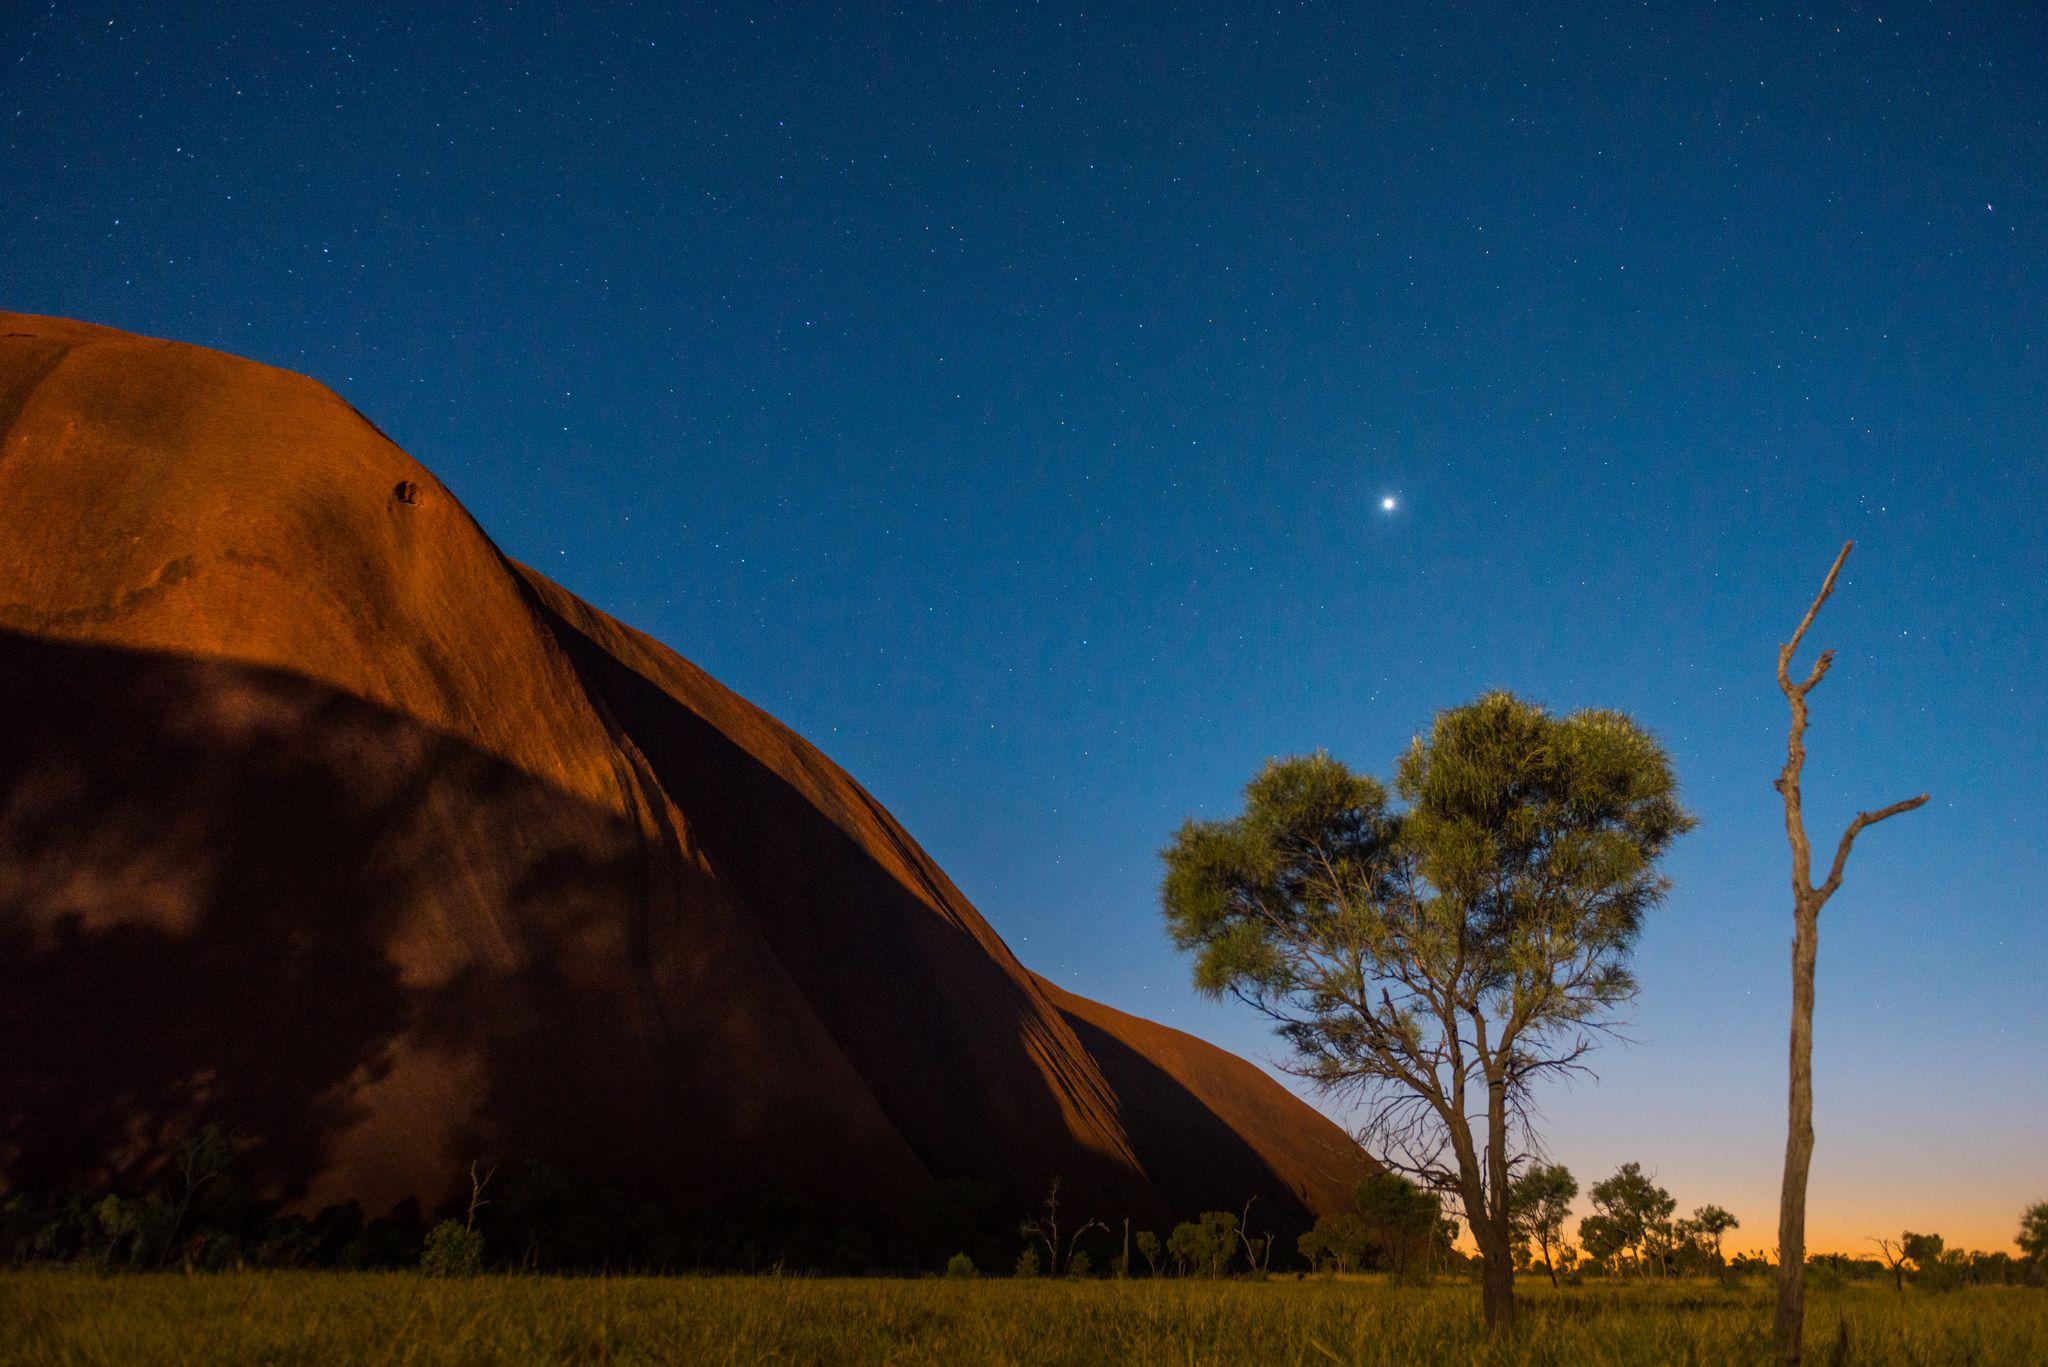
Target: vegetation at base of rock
x: 452, y: 1251
x: 537, y: 1218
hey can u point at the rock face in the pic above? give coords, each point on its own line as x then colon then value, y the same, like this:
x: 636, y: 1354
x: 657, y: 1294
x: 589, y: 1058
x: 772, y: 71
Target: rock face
x: 321, y: 817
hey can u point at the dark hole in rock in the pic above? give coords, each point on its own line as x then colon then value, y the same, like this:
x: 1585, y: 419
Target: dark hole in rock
x: 407, y: 492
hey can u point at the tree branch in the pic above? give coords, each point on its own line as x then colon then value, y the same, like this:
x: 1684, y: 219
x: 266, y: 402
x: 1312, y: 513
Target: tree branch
x: 1827, y: 889
x: 1827, y: 657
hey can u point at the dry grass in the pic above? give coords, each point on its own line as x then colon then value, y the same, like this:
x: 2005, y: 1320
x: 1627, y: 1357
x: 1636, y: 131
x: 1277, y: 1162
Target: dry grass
x: 325, y: 1317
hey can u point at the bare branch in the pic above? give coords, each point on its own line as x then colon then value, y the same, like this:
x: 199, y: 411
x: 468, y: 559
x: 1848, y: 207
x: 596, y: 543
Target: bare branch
x: 476, y: 1191
x: 1820, y: 669
x: 1791, y: 647
x: 1827, y: 889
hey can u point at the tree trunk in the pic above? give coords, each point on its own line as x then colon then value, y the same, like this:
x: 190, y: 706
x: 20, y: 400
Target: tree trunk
x: 1791, y: 1316
x: 1496, y: 1277
x: 1494, y: 1236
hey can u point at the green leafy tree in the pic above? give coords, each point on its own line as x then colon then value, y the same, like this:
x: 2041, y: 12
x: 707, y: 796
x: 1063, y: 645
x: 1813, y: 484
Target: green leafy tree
x: 1935, y: 1267
x: 1441, y: 958
x: 1341, y: 1238
x: 1996, y: 1268
x: 139, y: 1230
x: 1220, y: 1235
x: 1205, y: 1246
x: 1710, y: 1225
x: 1606, y: 1243
x: 1313, y: 1244
x: 1539, y: 1202
x: 1148, y: 1249
x: 2033, y: 1237
x: 1443, y: 1240
x: 1922, y: 1249
x: 1664, y: 1242
x: 122, y: 1222
x: 452, y: 1250
x: 1399, y: 1216
x: 1629, y: 1208
x: 203, y: 1159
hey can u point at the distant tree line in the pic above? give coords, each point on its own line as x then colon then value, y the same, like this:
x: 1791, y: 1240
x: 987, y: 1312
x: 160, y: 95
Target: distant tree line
x: 1634, y: 1231
x: 200, y: 1214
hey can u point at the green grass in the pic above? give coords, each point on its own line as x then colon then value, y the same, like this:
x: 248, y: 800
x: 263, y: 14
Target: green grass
x: 323, y: 1317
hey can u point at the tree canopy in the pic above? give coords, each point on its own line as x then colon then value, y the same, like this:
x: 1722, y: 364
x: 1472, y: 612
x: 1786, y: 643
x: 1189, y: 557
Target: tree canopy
x: 1438, y: 957
x: 2033, y: 1237
x: 1631, y: 1216
x: 1539, y: 1203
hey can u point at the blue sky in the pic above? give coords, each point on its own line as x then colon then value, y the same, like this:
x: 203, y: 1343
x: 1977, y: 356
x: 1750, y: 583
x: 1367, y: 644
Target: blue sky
x: 1006, y: 398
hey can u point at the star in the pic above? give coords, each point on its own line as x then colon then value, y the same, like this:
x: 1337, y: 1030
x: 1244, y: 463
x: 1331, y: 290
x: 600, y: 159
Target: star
x: 1387, y: 504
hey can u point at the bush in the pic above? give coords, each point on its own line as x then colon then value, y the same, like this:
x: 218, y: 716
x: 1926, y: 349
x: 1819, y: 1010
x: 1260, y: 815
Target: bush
x: 1940, y: 1274
x: 1027, y: 1263
x: 452, y: 1251
x: 1078, y: 1265
x: 1824, y: 1277
x: 960, y: 1265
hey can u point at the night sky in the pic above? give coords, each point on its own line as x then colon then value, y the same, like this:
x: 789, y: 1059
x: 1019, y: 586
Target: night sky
x: 1007, y: 398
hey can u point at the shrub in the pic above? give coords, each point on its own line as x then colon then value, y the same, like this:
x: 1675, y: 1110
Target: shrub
x: 960, y: 1265
x: 1078, y: 1265
x: 1824, y: 1277
x: 1027, y: 1263
x: 452, y: 1251
x: 1940, y: 1274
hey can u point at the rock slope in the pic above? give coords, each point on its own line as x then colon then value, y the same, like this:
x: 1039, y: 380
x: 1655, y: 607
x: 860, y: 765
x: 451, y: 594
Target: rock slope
x: 321, y: 816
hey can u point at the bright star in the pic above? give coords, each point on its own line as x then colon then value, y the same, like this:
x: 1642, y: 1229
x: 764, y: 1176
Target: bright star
x: 1387, y: 504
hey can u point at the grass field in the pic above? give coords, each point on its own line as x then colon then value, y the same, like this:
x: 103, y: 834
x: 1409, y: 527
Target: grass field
x: 324, y: 1317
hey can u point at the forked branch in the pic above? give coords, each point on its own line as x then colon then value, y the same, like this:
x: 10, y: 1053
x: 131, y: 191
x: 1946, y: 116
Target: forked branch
x: 1827, y: 889
x: 1795, y: 757
x: 1791, y: 647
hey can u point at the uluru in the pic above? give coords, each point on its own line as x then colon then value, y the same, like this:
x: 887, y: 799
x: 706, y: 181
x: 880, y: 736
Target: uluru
x: 323, y: 819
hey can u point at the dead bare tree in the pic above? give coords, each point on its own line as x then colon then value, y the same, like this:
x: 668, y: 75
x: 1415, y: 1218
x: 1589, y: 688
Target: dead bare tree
x: 476, y: 1193
x: 1074, y: 1240
x: 1244, y: 1234
x: 1046, y: 1229
x: 1894, y: 1251
x: 200, y: 1160
x: 1807, y: 901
